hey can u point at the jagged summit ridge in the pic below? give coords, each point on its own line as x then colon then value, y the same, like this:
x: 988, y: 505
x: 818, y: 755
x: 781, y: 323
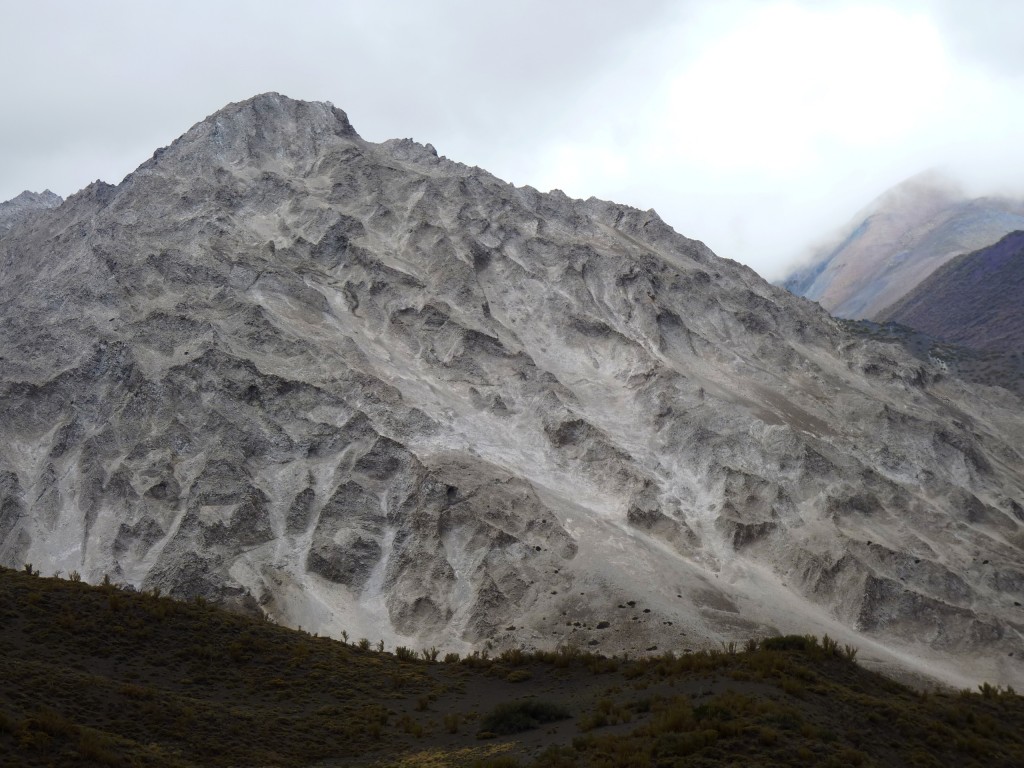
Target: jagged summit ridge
x: 267, y: 128
x: 18, y: 208
x: 359, y: 386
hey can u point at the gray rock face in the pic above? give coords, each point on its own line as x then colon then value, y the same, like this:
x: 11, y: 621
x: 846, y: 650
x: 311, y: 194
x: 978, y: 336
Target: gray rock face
x: 21, y: 207
x: 361, y: 387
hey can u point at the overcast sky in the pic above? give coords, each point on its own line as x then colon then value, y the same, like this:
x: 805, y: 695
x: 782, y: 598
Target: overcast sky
x: 757, y: 126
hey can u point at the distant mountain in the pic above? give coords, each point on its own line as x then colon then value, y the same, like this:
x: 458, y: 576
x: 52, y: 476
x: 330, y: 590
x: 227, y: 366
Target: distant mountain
x: 976, y: 299
x: 25, y: 204
x: 898, y: 241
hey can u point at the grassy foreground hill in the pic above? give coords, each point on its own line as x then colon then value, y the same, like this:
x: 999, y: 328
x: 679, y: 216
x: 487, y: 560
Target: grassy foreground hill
x: 102, y: 676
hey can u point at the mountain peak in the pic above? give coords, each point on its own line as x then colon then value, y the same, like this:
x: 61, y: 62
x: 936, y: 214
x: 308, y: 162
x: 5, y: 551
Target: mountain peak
x: 29, y: 199
x: 27, y: 202
x: 274, y: 109
x: 268, y: 126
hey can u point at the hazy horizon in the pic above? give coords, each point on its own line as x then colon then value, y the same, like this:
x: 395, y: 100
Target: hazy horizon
x: 758, y: 127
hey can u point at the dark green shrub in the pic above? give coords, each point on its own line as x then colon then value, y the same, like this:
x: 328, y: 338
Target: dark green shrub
x: 98, y: 749
x: 519, y: 716
x: 682, y: 744
x: 789, y: 643
x: 513, y: 656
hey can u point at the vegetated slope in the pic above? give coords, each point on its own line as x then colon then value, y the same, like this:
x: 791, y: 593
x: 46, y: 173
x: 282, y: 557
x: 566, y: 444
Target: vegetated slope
x: 898, y: 241
x: 359, y: 386
x: 102, y: 676
x: 976, y: 299
x: 25, y: 204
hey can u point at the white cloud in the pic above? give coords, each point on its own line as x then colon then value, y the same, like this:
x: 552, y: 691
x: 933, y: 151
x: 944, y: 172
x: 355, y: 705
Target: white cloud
x: 762, y: 137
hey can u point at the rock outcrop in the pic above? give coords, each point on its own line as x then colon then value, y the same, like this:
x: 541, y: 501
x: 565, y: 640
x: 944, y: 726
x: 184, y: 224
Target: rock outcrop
x: 15, y: 210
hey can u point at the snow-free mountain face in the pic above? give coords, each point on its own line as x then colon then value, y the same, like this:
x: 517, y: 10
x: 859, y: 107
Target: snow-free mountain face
x: 976, y: 299
x: 15, y: 210
x: 898, y: 241
x: 361, y: 387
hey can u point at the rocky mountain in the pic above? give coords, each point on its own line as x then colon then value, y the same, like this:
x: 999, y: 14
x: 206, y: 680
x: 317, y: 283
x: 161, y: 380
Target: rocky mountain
x: 25, y: 204
x: 976, y: 299
x: 361, y: 387
x: 898, y: 241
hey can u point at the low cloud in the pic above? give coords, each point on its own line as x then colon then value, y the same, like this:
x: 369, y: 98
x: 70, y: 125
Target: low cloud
x: 758, y: 127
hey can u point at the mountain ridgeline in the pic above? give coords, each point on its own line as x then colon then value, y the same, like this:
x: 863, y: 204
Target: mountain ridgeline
x: 24, y: 205
x: 360, y: 387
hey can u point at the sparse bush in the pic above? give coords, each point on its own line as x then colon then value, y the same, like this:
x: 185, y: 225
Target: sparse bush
x: 989, y: 691
x: 451, y: 658
x: 75, y: 576
x: 790, y: 643
x: 829, y: 646
x: 98, y: 749
x: 503, y: 761
x: 363, y: 644
x: 682, y: 744
x: 513, y: 656
x: 519, y: 716
x: 793, y: 687
x: 405, y: 654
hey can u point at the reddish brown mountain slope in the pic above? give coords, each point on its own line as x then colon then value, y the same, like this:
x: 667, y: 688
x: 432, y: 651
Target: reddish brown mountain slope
x: 976, y: 299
